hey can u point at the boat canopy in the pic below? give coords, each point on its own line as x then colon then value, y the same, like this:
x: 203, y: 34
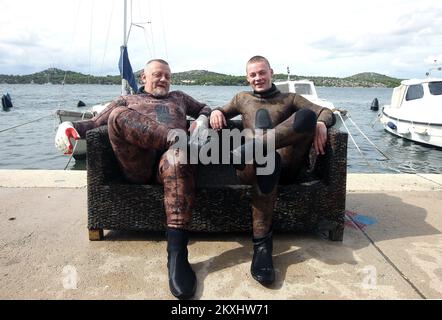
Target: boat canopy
x: 398, y: 96
x: 419, y: 81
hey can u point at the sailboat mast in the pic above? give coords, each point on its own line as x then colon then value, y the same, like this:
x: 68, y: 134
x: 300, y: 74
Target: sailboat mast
x: 124, y: 83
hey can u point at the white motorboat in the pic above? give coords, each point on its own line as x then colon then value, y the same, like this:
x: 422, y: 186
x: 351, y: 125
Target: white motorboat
x: 307, y: 89
x: 415, y: 111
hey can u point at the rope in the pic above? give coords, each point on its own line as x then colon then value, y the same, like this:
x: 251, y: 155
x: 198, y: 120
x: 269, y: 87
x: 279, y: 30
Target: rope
x: 72, y: 154
x: 76, y: 141
x: 164, y: 30
x: 90, y: 42
x: 107, y: 36
x: 394, y: 162
x: 368, y: 139
x: 20, y: 125
x: 354, y: 142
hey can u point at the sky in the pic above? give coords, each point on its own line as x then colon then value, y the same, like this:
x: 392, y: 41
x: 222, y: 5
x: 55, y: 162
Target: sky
x: 398, y: 38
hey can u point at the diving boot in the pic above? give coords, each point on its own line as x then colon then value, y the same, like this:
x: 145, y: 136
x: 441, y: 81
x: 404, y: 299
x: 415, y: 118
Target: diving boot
x: 182, y: 279
x: 262, y: 263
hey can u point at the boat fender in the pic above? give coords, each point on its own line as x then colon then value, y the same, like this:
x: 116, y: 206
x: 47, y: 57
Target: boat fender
x: 6, y: 102
x: 375, y: 105
x: 81, y: 104
x: 391, y: 125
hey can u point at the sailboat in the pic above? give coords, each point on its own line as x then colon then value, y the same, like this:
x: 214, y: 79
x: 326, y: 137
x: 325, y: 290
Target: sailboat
x: 128, y: 86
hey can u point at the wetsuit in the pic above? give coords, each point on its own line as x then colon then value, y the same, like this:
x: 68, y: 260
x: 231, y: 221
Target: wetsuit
x: 140, y: 134
x: 292, y: 145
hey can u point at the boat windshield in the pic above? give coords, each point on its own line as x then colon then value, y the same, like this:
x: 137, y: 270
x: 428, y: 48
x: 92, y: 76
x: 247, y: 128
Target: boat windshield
x: 435, y: 88
x: 414, y: 92
x: 303, y: 88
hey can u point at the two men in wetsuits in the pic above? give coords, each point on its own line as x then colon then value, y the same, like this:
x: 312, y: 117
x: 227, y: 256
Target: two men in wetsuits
x: 143, y: 129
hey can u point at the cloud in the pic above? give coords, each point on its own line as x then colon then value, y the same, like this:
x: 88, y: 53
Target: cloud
x: 318, y: 37
x: 409, y: 31
x: 433, y: 59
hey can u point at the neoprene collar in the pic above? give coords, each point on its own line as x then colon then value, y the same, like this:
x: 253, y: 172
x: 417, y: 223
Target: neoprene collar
x: 273, y: 91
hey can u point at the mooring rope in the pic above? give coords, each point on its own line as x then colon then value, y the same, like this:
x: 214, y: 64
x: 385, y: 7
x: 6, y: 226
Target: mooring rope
x: 368, y: 139
x: 354, y: 142
x: 76, y: 141
x: 20, y: 125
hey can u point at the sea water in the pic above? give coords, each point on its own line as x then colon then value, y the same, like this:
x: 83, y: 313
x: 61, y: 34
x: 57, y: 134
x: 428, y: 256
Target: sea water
x: 31, y: 146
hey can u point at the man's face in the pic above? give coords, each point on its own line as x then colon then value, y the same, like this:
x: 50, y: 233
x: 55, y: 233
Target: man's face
x: 259, y: 75
x: 156, y: 79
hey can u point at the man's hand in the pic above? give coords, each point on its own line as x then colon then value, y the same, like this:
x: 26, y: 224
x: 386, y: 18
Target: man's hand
x: 217, y: 120
x: 65, y: 132
x: 320, y: 138
x: 199, y: 131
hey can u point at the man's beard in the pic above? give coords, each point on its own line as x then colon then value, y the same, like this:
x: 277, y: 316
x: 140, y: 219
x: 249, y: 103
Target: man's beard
x: 160, y: 92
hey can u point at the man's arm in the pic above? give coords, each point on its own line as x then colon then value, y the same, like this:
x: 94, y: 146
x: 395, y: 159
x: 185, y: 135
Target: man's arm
x: 323, y: 114
x: 219, y: 115
x: 194, y: 108
x: 325, y: 119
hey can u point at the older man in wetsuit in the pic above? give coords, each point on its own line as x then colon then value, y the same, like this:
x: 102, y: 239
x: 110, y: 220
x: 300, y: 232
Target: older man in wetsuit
x: 142, y: 130
x: 295, y: 124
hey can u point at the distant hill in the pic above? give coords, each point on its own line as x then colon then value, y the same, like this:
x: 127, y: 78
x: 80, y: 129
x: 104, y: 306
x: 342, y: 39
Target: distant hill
x: 58, y: 76
x: 204, y: 77
x: 371, y: 78
x: 366, y: 79
x: 199, y: 77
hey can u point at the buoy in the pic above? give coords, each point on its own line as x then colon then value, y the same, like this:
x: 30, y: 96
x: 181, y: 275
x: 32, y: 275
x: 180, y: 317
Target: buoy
x: 374, y: 105
x: 81, y: 104
x: 6, y: 102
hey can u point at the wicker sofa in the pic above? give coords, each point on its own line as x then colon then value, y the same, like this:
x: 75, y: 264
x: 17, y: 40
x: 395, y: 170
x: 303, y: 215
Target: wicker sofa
x: 223, y: 204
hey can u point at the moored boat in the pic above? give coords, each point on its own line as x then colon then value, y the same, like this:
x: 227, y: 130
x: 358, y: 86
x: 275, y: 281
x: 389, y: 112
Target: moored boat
x: 307, y: 89
x: 415, y: 111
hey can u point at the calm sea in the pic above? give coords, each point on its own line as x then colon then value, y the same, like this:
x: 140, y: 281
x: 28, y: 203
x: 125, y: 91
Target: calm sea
x: 32, y: 146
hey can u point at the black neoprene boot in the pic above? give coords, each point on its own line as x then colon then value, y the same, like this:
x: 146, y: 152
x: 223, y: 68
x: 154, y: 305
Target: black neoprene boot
x: 182, y: 279
x: 262, y: 262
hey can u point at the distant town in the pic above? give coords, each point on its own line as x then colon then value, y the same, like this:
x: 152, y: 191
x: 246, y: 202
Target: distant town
x: 198, y: 77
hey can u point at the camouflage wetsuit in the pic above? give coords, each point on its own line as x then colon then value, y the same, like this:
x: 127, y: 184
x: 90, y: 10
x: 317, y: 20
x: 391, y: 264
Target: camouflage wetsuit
x: 292, y: 146
x: 138, y: 128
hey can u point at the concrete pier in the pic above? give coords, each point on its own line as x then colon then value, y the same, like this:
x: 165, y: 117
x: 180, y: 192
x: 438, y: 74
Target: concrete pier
x: 392, y: 247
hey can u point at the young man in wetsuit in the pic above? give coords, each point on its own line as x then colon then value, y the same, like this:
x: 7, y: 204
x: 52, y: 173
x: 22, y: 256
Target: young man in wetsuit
x: 295, y: 123
x: 142, y: 129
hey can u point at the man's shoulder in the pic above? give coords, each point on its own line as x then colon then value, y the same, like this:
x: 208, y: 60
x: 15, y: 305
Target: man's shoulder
x: 243, y: 95
x: 178, y: 93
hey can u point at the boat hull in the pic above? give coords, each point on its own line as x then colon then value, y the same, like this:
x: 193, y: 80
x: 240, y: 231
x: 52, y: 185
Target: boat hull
x: 424, y: 133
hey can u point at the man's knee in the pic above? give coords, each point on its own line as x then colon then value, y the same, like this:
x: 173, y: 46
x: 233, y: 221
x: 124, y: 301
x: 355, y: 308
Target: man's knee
x: 305, y: 121
x: 113, y: 118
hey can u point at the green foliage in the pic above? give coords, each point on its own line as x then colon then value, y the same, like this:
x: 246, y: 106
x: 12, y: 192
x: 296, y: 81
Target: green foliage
x: 203, y: 77
x: 57, y: 76
x: 199, y: 77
